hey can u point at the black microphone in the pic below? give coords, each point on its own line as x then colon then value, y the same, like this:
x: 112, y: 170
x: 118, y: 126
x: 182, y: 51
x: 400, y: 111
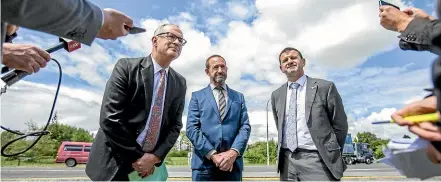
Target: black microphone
x: 16, y: 75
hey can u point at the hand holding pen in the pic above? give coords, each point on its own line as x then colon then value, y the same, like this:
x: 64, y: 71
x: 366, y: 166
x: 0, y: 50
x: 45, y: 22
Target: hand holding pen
x: 420, y: 117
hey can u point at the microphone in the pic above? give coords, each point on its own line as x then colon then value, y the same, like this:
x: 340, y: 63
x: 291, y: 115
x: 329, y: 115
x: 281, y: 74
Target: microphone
x: 16, y: 75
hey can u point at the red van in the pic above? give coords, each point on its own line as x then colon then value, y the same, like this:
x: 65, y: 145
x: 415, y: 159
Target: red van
x: 73, y: 153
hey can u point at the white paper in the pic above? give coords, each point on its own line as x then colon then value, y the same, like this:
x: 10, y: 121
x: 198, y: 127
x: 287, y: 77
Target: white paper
x: 411, y: 159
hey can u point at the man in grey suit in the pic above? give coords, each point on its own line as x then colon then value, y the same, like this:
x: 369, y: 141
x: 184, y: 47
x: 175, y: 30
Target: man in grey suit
x: 141, y: 112
x: 311, y: 123
x: 78, y: 20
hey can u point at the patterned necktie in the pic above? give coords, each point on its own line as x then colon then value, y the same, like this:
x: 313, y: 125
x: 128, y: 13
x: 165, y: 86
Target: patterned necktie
x: 290, y: 128
x: 221, y: 102
x: 155, y: 120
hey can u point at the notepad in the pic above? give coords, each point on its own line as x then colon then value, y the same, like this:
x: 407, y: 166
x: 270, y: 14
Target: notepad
x: 160, y: 174
x: 411, y: 159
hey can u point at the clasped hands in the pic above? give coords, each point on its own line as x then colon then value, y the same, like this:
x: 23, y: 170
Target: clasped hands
x: 225, y: 160
x: 145, y: 165
x: 425, y: 130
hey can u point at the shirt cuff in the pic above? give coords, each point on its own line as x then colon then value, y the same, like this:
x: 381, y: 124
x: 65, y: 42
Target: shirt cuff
x: 102, y: 20
x: 209, y: 154
x: 238, y: 153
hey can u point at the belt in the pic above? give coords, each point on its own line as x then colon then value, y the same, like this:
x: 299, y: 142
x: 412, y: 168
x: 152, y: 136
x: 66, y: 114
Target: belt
x: 300, y: 150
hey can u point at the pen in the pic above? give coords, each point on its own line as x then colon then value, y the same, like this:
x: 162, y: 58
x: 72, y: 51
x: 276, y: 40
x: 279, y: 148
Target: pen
x: 432, y: 117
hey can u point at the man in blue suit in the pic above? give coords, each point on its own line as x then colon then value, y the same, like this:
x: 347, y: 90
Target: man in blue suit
x: 218, y: 127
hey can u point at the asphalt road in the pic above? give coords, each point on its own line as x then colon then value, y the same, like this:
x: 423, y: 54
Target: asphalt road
x: 376, y: 171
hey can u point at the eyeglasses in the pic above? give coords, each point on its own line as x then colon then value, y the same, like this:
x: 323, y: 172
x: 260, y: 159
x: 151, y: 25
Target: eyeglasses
x: 172, y: 37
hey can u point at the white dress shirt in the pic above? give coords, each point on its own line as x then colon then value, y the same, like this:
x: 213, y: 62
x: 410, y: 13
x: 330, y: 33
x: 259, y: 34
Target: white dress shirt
x: 157, y: 77
x: 303, y: 135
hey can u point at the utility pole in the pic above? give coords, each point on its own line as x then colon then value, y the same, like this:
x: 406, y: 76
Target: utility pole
x: 267, y: 133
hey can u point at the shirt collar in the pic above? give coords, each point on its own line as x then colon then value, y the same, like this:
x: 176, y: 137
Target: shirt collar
x: 157, y: 67
x: 301, y: 81
x: 223, y: 86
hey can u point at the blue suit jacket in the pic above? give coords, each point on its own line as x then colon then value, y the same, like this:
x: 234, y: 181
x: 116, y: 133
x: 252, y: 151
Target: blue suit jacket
x: 207, y: 132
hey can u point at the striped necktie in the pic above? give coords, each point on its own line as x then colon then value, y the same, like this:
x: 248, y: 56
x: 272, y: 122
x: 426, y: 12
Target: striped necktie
x: 221, y: 102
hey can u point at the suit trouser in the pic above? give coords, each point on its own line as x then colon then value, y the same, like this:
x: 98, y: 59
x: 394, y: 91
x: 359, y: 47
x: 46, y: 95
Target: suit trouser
x: 216, y: 174
x: 123, y: 173
x: 304, y: 165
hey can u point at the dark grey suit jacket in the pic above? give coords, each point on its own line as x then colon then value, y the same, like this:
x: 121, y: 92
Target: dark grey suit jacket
x: 124, y: 112
x: 73, y: 19
x: 326, y: 120
x: 78, y: 20
x: 418, y: 35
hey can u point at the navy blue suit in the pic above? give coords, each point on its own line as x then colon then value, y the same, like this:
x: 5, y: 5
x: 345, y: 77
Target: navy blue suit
x: 207, y: 132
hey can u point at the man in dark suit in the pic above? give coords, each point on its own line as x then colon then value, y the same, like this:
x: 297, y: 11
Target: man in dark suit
x: 141, y: 111
x: 311, y: 123
x: 218, y: 127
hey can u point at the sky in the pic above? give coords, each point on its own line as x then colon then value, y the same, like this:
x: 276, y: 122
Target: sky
x: 341, y: 40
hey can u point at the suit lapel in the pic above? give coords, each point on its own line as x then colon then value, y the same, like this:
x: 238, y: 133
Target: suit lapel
x: 210, y: 97
x: 282, y: 105
x: 147, y: 78
x: 311, y: 90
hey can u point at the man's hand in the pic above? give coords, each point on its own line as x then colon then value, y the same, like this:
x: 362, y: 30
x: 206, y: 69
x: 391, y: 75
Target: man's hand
x: 11, y: 29
x: 217, y: 159
x: 394, y: 19
x: 145, y: 165
x: 433, y: 154
x: 114, y: 24
x: 425, y: 106
x: 426, y: 130
x: 24, y: 57
x: 418, y: 13
x: 228, y: 159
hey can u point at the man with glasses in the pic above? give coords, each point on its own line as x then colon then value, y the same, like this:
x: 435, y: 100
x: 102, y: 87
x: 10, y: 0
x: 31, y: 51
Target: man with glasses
x: 141, y: 111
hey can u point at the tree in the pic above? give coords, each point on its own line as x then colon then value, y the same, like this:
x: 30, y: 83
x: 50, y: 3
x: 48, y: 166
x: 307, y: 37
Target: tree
x: 183, y: 143
x: 17, y: 146
x: 366, y: 137
x: 48, y: 144
x: 256, y: 152
x: 374, y: 142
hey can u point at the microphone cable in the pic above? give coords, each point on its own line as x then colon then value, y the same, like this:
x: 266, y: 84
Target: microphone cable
x: 38, y: 133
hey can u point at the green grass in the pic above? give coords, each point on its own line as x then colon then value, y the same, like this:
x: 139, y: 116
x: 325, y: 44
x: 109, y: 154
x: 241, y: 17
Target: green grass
x: 29, y: 162
x: 176, y: 161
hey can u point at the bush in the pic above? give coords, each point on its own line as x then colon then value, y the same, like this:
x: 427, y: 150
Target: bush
x: 175, y: 153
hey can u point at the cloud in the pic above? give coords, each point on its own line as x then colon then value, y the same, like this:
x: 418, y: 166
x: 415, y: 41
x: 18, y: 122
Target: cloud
x: 32, y: 101
x: 335, y: 38
x: 385, y: 131
x: 368, y: 89
x: 215, y: 20
x: 208, y: 2
x: 238, y: 10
